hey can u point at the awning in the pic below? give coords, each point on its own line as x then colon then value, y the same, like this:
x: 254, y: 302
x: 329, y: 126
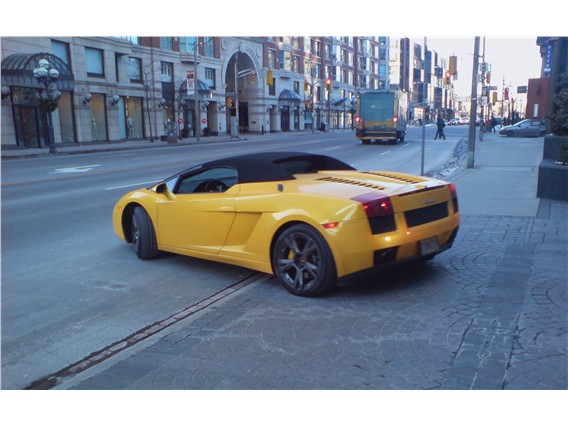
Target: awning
x: 338, y: 101
x: 17, y: 70
x: 289, y: 98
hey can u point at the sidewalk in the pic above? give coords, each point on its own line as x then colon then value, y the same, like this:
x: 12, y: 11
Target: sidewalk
x: 503, y: 181
x: 125, y: 145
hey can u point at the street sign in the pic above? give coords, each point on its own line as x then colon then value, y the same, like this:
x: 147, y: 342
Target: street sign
x: 190, y: 78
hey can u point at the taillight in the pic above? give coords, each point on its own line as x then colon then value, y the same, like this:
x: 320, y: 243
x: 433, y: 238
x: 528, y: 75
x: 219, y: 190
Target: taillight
x: 359, y: 122
x: 375, y: 206
x: 453, y: 190
x: 395, y: 119
x: 454, y: 194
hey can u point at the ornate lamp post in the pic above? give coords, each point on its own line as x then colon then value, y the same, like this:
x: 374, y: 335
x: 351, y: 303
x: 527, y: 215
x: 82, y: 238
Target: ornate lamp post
x: 48, y: 96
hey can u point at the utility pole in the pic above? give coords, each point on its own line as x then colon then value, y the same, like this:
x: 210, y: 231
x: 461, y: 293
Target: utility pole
x: 473, y: 107
x: 424, y: 103
x: 197, y: 124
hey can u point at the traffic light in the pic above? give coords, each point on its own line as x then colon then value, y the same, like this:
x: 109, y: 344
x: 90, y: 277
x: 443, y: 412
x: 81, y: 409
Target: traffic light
x: 494, y: 98
x: 328, y: 84
x: 488, y: 77
x: 448, y: 75
x: 453, y: 65
x: 229, y: 103
x: 269, y: 78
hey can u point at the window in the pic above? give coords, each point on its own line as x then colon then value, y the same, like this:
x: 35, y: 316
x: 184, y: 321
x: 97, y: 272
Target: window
x: 271, y: 59
x: 297, y: 87
x: 218, y: 179
x: 210, y: 77
x: 95, y: 62
x: 296, y: 64
x: 166, y: 72
x: 166, y: 43
x: 98, y: 117
x: 134, y: 118
x: 285, y: 58
x: 186, y: 43
x: 61, y: 50
x: 135, y: 70
x: 209, y: 47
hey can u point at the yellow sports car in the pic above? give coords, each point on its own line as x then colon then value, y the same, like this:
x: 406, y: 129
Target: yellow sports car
x: 308, y: 219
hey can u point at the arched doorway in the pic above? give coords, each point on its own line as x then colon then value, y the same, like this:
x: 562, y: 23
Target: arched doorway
x: 30, y: 119
x: 242, y: 94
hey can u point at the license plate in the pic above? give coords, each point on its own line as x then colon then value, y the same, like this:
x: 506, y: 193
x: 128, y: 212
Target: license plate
x: 429, y: 246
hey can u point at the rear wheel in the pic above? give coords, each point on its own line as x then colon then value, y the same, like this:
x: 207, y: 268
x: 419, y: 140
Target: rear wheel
x: 303, y: 262
x: 143, y: 235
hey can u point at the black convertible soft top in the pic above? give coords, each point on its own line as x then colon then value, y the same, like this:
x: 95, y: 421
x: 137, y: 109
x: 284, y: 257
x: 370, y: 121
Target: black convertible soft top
x: 275, y: 166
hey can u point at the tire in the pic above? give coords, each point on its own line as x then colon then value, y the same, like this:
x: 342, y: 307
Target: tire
x: 302, y: 261
x: 365, y: 141
x: 143, y: 235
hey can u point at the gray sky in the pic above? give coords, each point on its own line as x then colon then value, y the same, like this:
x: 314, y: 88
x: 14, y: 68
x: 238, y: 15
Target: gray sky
x: 516, y: 59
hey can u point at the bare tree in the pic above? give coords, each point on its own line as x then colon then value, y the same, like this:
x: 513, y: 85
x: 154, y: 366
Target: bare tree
x: 148, y: 82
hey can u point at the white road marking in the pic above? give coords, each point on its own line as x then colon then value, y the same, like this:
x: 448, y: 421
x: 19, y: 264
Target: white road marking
x: 332, y: 148
x: 75, y: 169
x: 385, y: 153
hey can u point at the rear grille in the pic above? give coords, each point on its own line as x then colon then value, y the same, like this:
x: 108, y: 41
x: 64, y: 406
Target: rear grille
x: 426, y: 214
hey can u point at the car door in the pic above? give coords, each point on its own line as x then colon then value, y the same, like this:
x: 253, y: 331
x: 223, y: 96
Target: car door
x: 535, y: 127
x: 201, y: 211
x: 523, y: 129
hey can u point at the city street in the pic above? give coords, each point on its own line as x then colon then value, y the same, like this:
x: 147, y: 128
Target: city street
x: 70, y: 287
x: 80, y: 311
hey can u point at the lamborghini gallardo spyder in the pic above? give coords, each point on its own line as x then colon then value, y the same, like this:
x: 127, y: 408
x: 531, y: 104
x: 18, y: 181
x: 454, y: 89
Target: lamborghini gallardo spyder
x: 311, y: 220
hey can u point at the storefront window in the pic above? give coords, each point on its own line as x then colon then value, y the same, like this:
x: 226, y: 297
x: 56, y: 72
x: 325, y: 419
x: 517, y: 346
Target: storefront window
x: 134, y: 118
x: 66, y: 119
x: 98, y: 118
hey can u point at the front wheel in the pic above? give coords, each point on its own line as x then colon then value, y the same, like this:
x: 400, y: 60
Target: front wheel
x: 143, y: 235
x: 302, y: 261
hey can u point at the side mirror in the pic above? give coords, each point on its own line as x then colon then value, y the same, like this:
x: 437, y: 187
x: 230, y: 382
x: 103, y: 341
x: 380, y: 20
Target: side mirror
x: 163, y: 189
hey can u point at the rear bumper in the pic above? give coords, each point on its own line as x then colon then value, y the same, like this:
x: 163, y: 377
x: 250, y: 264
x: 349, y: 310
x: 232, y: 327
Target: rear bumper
x: 356, y: 249
x: 386, y: 259
x: 377, y: 134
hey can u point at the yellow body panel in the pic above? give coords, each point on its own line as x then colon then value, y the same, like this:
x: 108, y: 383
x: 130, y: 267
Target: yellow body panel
x: 240, y: 225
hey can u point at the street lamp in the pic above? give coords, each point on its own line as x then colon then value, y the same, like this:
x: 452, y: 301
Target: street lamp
x: 48, y: 95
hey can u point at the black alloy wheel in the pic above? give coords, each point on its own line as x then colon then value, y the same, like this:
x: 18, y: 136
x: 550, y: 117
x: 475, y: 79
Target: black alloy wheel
x: 303, y: 262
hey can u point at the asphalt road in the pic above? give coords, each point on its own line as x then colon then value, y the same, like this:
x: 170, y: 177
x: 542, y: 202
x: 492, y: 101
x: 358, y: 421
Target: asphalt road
x: 70, y: 287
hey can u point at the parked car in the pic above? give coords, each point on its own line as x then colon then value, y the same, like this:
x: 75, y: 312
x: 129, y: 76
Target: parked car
x: 308, y: 219
x: 453, y: 122
x: 525, y: 128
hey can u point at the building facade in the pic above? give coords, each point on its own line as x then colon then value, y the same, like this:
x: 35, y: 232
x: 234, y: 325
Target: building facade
x: 157, y: 88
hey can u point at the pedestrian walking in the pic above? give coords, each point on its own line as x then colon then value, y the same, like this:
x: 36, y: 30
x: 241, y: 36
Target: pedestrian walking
x: 493, y: 123
x: 440, y: 133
